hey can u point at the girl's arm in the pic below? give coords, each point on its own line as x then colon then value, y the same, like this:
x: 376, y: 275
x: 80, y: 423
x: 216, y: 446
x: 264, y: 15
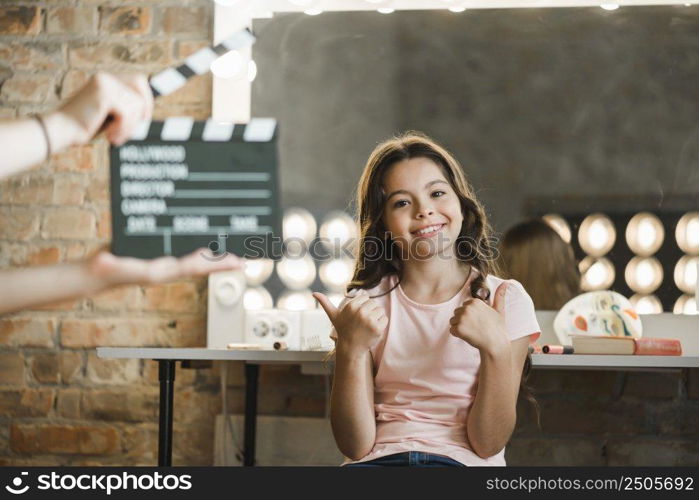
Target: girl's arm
x: 492, y: 417
x: 352, y: 402
x: 26, y: 288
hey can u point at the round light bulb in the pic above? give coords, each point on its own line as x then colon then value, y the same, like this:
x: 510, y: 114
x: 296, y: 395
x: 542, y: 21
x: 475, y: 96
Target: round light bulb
x: 646, y: 304
x: 596, y: 235
x: 257, y: 271
x: 686, y: 304
x: 597, y: 274
x: 609, y: 6
x: 645, y: 234
x: 257, y: 298
x: 300, y: 300
x: 686, y: 273
x: 337, y: 229
x: 644, y: 274
x: 559, y: 225
x: 336, y: 273
x: 297, y: 273
x: 687, y: 233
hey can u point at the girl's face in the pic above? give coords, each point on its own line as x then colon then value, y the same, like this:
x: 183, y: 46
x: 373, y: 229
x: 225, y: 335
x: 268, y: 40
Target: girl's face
x: 422, y: 212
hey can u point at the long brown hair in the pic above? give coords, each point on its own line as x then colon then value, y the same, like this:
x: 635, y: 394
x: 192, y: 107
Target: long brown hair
x: 534, y: 254
x: 474, y: 245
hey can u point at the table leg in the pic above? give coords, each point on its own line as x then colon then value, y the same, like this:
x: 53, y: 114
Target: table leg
x: 167, y: 384
x: 251, y: 375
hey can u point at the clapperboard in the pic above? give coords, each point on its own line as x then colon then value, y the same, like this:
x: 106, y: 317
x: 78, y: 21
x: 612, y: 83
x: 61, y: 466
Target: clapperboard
x: 186, y: 185
x: 179, y: 185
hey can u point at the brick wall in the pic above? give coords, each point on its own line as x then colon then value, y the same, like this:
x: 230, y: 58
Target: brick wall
x: 60, y: 404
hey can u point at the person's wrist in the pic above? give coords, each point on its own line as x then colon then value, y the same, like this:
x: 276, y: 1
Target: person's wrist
x: 63, y: 131
x: 349, y: 350
x: 496, y: 348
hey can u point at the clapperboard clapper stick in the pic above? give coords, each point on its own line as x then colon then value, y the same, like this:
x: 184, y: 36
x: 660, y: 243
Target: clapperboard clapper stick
x: 180, y: 184
x: 199, y: 63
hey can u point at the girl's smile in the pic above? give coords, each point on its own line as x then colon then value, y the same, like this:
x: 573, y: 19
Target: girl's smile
x: 428, y: 231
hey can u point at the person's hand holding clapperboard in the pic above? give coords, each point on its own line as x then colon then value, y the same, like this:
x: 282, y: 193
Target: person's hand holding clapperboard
x: 114, y: 105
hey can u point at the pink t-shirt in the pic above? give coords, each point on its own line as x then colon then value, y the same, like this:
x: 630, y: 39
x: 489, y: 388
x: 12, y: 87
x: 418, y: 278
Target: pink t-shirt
x: 425, y: 379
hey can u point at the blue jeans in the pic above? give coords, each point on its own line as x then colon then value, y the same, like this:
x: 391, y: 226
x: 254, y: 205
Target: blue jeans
x: 410, y: 459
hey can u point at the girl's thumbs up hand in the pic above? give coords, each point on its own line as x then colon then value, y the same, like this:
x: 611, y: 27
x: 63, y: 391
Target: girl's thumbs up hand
x: 360, y: 322
x: 481, y: 325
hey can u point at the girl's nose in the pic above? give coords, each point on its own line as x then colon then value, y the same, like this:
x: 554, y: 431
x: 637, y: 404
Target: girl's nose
x: 424, y: 212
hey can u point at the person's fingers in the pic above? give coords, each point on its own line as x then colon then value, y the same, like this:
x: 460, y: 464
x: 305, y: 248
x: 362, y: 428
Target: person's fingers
x: 203, y: 262
x: 128, y: 102
x: 327, y: 306
x: 499, y: 300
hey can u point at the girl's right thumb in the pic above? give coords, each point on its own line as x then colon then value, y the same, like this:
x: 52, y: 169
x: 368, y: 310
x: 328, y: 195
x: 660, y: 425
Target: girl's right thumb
x: 327, y: 306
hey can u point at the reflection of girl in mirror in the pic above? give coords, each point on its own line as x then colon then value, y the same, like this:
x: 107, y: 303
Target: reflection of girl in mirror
x: 430, y: 346
x: 534, y: 254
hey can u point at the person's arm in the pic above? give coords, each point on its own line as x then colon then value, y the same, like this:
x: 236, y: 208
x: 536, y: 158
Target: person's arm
x: 359, y: 323
x: 493, y: 415
x: 126, y: 99
x: 26, y: 288
x: 352, y: 403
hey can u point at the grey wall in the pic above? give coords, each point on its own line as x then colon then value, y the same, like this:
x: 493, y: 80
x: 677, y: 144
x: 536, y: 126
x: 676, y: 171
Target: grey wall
x: 551, y: 104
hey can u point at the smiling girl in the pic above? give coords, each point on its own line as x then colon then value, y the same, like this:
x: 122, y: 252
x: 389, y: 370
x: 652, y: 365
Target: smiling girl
x: 430, y: 346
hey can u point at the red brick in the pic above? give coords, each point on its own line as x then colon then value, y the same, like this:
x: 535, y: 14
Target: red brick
x: 554, y: 452
x: 33, y: 88
x: 653, y: 385
x: 20, y: 20
x: 68, y: 223
x: 68, y: 403
x: 187, y: 20
x: 104, y: 225
x: 193, y: 405
x: 196, y: 90
x: 649, y: 452
x: 73, y: 81
x: 27, y: 189
x: 186, y: 48
x: 64, y: 439
x: 194, y: 445
x: 118, y: 54
x: 175, y: 297
x: 26, y: 402
x: 72, y: 20
x: 117, y: 332
x: 141, y: 443
x: 585, y: 415
x: 135, y: 404
x: 201, y: 111
x: 45, y: 368
x: 61, y: 305
x: 693, y: 383
x: 12, y: 368
x: 76, y: 158
x: 112, y: 371
x: 118, y: 299
x: 68, y: 191
x: 125, y: 20
x: 19, y: 224
x: 27, y: 332
x: 98, y: 190
x: 43, y: 256
x: 41, y: 56
x: 70, y: 366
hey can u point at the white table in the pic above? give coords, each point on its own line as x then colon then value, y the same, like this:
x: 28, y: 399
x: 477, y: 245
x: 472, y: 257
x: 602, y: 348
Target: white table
x: 167, y: 357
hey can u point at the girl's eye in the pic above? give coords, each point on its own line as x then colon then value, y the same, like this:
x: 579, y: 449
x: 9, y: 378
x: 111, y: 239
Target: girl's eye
x: 400, y: 203
x: 438, y: 193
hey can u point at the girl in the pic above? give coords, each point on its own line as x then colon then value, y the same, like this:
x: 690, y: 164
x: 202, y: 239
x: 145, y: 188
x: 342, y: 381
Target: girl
x: 426, y: 373
x: 534, y: 254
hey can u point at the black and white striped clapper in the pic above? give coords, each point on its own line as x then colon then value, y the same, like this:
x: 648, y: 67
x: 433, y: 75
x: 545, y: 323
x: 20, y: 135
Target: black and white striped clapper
x: 181, y: 184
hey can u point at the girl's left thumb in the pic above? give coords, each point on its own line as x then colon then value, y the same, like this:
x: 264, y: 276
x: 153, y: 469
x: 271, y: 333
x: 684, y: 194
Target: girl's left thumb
x: 499, y: 299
